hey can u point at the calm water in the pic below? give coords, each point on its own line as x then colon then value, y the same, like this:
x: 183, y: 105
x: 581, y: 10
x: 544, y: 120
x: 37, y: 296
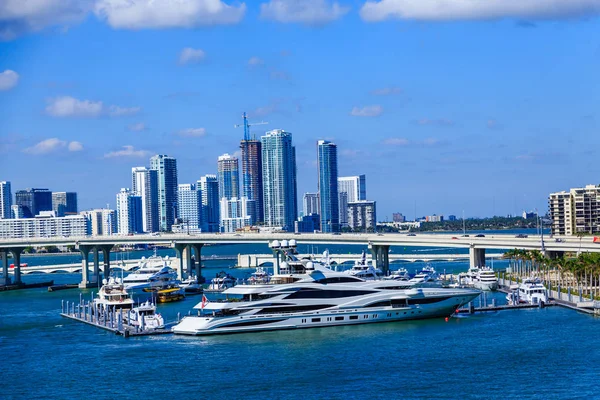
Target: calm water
x: 551, y: 353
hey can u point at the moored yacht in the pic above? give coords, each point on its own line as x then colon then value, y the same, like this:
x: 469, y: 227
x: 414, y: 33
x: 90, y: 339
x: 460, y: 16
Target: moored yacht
x: 401, y: 274
x: 427, y: 275
x: 145, y: 317
x: 362, y: 269
x: 486, y: 279
x: 152, y: 275
x: 259, y: 277
x: 322, y: 298
x: 531, y: 291
x: 113, y: 295
x: 222, y: 281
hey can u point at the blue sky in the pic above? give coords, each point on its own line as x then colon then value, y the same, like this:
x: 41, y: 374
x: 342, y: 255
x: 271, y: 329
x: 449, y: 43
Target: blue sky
x: 478, y: 106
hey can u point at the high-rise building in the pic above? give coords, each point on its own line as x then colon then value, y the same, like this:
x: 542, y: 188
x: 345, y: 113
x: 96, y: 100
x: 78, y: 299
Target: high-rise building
x: 252, y: 176
x: 343, y: 204
x: 362, y: 216
x: 166, y: 168
x: 5, y: 200
x: 279, y: 179
x: 190, y: 208
x: 351, y: 189
x: 311, y: 204
x: 129, y: 213
x: 228, y: 173
x: 101, y: 221
x: 307, y: 224
x: 576, y: 211
x: 398, y: 217
x: 235, y: 213
x: 328, y: 186
x: 16, y: 212
x: 209, y: 187
x: 45, y: 225
x: 64, y: 203
x: 33, y: 201
x: 144, y: 183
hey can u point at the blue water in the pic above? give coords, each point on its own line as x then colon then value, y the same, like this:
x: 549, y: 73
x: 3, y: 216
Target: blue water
x: 547, y: 353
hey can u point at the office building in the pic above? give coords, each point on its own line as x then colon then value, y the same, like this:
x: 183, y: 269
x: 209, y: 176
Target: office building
x: 252, y: 176
x: 64, y: 203
x: 398, y: 217
x: 166, y: 168
x: 144, y: 183
x: 343, y: 205
x: 576, y: 211
x: 228, y: 176
x: 102, y: 221
x: 45, y: 225
x: 311, y: 204
x: 307, y: 224
x: 5, y: 200
x: 209, y: 188
x: 355, y: 186
x: 236, y: 213
x: 33, y: 201
x: 279, y: 179
x: 190, y: 208
x: 362, y: 216
x: 434, y: 218
x: 129, y: 213
x: 16, y: 211
x: 328, y: 186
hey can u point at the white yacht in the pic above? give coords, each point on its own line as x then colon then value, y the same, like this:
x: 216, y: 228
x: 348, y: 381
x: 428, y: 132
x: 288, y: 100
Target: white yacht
x: 530, y: 291
x: 322, y: 298
x: 401, y: 274
x: 259, y: 277
x: 113, y: 295
x: 486, y: 279
x: 144, y: 317
x: 192, y: 285
x: 362, y: 269
x: 222, y: 281
x: 152, y: 275
x: 427, y: 275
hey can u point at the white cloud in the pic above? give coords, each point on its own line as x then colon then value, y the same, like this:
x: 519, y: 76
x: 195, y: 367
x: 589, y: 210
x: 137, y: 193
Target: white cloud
x: 127, y: 151
x: 367, y: 111
x: 46, y: 146
x: 192, y: 132
x: 67, y: 106
x: 140, y: 126
x: 255, y: 61
x: 18, y: 17
x: 386, y: 91
x: 75, y: 146
x: 443, y: 10
x: 8, y: 79
x: 397, y: 142
x: 189, y: 56
x: 141, y: 14
x: 311, y: 12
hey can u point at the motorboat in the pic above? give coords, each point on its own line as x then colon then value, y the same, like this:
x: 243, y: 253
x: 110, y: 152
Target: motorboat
x: 362, y: 269
x: 427, y: 275
x: 486, y: 279
x: 113, y: 296
x: 152, y: 274
x: 170, y: 294
x: 222, y: 281
x: 259, y: 277
x: 322, y: 298
x: 192, y: 285
x: 530, y: 291
x: 401, y: 274
x: 144, y: 317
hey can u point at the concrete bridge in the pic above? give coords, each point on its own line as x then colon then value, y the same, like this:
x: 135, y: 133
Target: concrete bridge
x: 379, y: 245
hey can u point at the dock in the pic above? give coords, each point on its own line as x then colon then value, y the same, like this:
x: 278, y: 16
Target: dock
x: 18, y: 286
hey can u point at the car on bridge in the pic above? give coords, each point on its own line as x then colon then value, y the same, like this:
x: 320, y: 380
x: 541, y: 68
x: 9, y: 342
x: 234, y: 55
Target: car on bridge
x: 521, y: 236
x: 412, y: 234
x: 480, y: 235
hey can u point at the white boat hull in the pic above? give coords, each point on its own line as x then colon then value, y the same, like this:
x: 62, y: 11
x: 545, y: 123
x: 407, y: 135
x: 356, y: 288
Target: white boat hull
x: 486, y: 286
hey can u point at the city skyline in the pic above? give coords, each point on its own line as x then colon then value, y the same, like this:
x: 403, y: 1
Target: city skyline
x: 494, y: 107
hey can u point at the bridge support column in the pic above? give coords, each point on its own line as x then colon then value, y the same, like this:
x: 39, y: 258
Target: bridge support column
x: 183, y: 253
x: 198, y: 261
x: 106, y: 248
x: 381, y: 257
x: 16, y: 253
x: 85, y: 265
x: 5, y: 268
x: 96, y: 275
x: 554, y: 254
x: 476, y: 257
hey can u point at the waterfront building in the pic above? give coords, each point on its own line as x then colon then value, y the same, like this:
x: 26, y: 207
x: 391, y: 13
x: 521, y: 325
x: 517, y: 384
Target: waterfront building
x: 252, y: 175
x: 451, y: 217
x: 228, y: 177
x: 64, y: 203
x: 190, y: 208
x: 102, y: 221
x: 33, y: 201
x: 434, y: 218
x: 129, y: 213
x: 209, y: 187
x: 307, y: 223
x: 576, y: 211
x: 311, y: 204
x: 236, y: 213
x: 166, y: 168
x: 279, y: 179
x: 350, y: 189
x: 144, y: 183
x: 5, y: 200
x: 362, y: 215
x: 398, y: 217
x: 529, y: 215
x: 43, y: 226
x: 328, y: 186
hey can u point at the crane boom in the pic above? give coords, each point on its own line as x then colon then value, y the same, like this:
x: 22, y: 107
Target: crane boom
x: 247, y: 126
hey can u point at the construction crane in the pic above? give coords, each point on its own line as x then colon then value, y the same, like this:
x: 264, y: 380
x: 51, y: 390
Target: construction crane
x: 247, y: 126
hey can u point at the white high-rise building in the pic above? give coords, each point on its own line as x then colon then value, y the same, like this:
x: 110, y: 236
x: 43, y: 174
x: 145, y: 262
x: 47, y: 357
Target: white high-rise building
x: 144, y: 183
x: 102, y: 221
x: 311, y: 203
x: 5, y: 200
x: 190, y: 208
x: 236, y: 213
x: 129, y: 213
x: 44, y: 225
x: 575, y: 211
x: 350, y: 190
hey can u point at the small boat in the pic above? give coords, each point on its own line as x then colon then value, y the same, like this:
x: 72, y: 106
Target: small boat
x: 427, y: 275
x: 170, y: 294
x: 530, y: 291
x: 362, y: 269
x: 145, y: 317
x: 192, y: 285
x: 400, y: 274
x: 221, y: 282
x: 259, y: 277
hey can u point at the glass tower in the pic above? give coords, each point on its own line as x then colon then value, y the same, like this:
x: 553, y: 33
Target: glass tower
x: 166, y: 168
x: 252, y: 175
x: 228, y: 177
x: 328, y: 186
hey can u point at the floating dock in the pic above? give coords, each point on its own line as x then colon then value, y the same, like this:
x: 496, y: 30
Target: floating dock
x: 18, y: 286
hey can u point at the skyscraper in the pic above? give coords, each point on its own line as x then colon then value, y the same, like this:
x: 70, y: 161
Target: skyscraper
x: 362, y: 215
x: 64, y: 203
x: 190, y: 207
x: 311, y: 204
x: 33, y: 201
x: 209, y: 187
x: 279, y: 179
x: 129, y: 212
x: 5, y: 200
x: 328, y: 186
x: 229, y: 176
x: 166, y: 168
x: 252, y: 175
x: 351, y: 189
x: 144, y: 183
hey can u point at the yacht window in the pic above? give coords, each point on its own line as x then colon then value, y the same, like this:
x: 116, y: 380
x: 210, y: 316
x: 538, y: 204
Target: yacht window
x: 316, y: 320
x: 338, y: 279
x: 326, y: 294
x: 386, y: 303
x: 339, y: 318
x: 291, y: 309
x: 427, y: 300
x: 354, y: 317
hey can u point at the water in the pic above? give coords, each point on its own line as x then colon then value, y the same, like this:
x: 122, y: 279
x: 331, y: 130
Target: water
x: 535, y: 354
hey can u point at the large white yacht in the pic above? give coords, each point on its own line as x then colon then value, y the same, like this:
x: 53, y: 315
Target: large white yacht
x: 530, y: 291
x: 427, y: 275
x: 320, y: 297
x: 152, y: 275
x: 486, y: 279
x: 113, y: 295
x: 362, y: 269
